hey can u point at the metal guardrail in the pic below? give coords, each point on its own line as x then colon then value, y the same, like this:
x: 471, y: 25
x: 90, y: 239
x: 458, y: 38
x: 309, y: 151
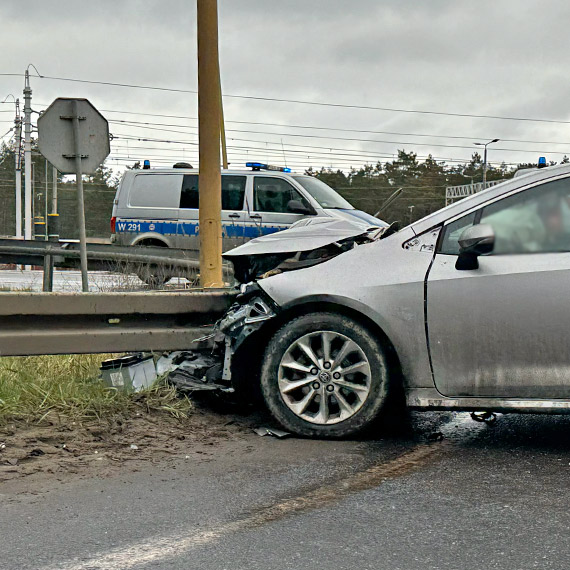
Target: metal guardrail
x: 80, y: 323
x: 102, y: 257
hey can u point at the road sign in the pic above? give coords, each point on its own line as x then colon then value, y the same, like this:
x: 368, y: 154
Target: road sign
x: 56, y: 139
x: 74, y: 137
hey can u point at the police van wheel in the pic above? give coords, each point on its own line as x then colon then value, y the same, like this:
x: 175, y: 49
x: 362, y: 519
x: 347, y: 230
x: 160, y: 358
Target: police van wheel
x: 153, y: 275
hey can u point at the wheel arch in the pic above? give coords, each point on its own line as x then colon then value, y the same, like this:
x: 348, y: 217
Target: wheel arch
x: 251, y: 351
x: 151, y: 239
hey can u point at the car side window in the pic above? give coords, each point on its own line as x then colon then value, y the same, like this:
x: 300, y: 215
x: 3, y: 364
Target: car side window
x: 536, y: 220
x: 274, y: 194
x: 449, y: 244
x: 233, y: 192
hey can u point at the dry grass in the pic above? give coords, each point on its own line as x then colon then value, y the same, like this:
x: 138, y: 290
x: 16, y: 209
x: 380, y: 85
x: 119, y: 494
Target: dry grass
x: 61, y: 388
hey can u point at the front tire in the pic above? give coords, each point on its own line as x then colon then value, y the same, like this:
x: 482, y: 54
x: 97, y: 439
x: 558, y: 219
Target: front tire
x: 324, y: 375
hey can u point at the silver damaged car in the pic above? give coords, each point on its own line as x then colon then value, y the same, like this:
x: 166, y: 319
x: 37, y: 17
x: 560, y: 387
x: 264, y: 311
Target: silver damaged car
x: 466, y: 309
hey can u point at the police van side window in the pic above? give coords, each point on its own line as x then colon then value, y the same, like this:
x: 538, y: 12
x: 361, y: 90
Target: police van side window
x: 274, y: 194
x: 189, y: 195
x: 155, y: 191
x: 233, y: 192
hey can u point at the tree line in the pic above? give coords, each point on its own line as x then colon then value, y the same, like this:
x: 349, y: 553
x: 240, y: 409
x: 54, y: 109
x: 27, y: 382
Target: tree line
x: 423, y: 183
x: 423, y: 186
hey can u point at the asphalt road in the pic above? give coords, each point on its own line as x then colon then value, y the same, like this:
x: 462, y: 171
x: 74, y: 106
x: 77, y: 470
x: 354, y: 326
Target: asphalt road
x: 483, y: 497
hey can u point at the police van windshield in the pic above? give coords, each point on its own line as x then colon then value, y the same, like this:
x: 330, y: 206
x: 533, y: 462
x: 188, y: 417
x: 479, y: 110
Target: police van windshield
x: 322, y: 193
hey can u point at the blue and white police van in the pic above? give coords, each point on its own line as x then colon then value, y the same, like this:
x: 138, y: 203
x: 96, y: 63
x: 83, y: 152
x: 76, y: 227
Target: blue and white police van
x: 159, y: 207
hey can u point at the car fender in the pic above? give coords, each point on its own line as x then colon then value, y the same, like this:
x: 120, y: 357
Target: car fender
x: 382, y: 281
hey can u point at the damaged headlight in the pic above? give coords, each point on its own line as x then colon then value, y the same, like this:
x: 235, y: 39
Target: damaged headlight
x: 256, y: 310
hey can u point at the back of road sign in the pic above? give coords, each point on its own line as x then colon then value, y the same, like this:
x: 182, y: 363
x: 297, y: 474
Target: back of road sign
x: 55, y: 135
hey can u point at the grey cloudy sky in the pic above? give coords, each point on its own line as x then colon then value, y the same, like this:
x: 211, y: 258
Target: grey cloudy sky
x: 501, y: 57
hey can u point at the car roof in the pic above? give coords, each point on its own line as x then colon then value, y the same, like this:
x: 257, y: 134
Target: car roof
x: 475, y: 200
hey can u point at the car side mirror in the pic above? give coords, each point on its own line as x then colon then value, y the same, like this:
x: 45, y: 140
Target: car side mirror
x: 297, y: 207
x: 473, y: 242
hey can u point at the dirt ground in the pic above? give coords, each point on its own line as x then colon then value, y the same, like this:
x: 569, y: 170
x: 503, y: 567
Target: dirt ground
x: 58, y: 451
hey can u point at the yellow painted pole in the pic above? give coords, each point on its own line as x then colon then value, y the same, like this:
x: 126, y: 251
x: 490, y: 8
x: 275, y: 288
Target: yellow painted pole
x: 222, y: 123
x: 210, y: 182
x: 223, y: 131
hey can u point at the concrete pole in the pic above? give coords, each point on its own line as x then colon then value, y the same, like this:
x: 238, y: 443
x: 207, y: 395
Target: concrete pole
x: 18, y: 169
x: 210, y: 182
x: 27, y: 158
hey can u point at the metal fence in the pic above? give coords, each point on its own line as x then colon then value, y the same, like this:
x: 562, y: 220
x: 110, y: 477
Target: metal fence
x: 453, y: 193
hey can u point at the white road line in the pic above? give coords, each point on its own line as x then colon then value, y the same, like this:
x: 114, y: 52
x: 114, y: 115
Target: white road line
x: 153, y: 550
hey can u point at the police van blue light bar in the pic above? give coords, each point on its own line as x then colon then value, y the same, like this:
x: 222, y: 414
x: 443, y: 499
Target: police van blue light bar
x: 261, y: 166
x: 542, y: 162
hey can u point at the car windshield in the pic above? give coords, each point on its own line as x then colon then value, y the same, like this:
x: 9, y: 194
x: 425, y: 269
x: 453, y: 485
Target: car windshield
x: 322, y: 193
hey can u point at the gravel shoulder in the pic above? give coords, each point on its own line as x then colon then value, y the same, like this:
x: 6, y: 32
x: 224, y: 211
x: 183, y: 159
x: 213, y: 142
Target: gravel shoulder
x: 35, y: 456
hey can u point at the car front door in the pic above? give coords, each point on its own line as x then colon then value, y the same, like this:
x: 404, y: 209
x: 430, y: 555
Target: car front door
x: 269, y: 209
x: 502, y: 330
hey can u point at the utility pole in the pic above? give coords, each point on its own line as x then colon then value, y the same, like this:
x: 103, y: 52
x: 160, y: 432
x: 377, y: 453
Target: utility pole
x: 27, y: 158
x: 18, y: 169
x: 209, y: 121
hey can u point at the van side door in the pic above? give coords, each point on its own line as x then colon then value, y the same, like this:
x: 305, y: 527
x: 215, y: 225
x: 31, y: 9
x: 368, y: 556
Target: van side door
x: 150, y: 210
x: 269, y: 209
x: 233, y: 214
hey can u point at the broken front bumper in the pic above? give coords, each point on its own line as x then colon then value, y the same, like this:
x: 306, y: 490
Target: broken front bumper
x: 208, y: 365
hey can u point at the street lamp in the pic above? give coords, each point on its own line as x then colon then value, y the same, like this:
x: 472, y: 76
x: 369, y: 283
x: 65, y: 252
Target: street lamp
x: 485, y: 160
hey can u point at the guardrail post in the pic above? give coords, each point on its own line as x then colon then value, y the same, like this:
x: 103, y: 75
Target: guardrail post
x: 48, y: 273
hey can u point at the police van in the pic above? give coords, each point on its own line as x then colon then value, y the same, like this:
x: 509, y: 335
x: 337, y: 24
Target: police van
x: 159, y: 207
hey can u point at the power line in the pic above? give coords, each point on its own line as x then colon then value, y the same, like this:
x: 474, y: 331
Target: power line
x: 242, y: 152
x: 376, y: 141
x: 301, y: 101
x: 133, y: 123
x: 194, y: 143
x: 312, y: 127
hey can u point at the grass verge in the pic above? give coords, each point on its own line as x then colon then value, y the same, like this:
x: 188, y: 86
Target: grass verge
x: 35, y: 389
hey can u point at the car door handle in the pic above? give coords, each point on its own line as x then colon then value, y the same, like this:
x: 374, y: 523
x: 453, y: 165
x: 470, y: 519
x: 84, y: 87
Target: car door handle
x: 255, y: 217
x: 233, y: 216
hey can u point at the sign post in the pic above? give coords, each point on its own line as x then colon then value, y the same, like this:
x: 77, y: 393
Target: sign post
x: 74, y: 137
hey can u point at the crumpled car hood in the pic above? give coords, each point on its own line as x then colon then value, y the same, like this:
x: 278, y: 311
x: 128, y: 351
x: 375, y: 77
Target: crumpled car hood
x: 308, y: 242
x: 357, y: 216
x: 312, y: 234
